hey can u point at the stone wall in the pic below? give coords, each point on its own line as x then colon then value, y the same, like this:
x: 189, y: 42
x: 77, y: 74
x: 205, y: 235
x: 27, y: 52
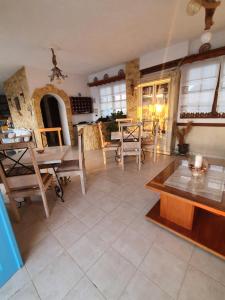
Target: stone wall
x: 132, y: 78
x: 16, y: 87
x: 26, y: 110
x: 50, y: 89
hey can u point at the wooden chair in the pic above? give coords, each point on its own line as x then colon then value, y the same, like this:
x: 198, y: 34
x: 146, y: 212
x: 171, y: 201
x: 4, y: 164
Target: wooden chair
x: 150, y: 137
x: 42, y: 131
x: 131, y: 142
x: 107, y: 146
x: 123, y: 121
x: 22, y: 180
x: 71, y: 168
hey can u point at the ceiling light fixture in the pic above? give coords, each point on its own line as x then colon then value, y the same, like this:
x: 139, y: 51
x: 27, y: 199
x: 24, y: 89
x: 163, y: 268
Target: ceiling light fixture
x: 57, y: 74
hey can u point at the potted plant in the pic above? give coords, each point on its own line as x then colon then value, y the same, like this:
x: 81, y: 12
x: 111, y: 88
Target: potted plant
x: 183, y: 148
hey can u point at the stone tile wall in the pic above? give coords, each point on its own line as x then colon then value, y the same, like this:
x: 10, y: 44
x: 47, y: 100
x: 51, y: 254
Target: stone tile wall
x: 132, y: 77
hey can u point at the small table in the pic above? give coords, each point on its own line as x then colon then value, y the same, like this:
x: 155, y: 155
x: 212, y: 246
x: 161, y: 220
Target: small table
x: 193, y: 208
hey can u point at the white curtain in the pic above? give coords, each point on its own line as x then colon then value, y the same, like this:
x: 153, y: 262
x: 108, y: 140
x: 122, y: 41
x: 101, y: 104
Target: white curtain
x: 198, y: 84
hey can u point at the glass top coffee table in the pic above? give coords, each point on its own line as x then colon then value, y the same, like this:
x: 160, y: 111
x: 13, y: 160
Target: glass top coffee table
x: 192, y: 207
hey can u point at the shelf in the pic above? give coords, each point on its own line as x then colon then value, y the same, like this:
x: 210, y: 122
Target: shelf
x: 81, y: 105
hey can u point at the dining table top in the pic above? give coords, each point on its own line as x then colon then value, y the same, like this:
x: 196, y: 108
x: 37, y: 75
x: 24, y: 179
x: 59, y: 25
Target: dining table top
x: 51, y: 155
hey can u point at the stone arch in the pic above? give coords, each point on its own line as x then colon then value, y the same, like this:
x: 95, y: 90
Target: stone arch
x: 62, y: 98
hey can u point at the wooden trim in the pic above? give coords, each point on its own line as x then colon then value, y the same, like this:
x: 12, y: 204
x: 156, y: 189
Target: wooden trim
x: 203, y: 124
x: 107, y: 80
x: 185, y: 60
x: 202, y: 56
x: 161, y: 67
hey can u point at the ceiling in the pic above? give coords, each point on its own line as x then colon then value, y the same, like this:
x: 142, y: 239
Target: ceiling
x: 90, y: 35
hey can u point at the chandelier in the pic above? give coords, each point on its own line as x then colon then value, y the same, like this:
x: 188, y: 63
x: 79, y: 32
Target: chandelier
x: 56, y: 74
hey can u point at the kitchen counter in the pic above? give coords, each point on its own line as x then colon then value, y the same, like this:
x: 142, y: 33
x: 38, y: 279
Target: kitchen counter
x: 92, y: 139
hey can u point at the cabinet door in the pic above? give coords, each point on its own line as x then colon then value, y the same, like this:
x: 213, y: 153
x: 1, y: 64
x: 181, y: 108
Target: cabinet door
x: 10, y: 259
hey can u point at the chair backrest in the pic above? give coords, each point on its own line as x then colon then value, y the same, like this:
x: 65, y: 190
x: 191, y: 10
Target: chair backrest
x: 122, y: 121
x: 131, y: 137
x: 150, y: 130
x: 81, y: 149
x: 13, y: 171
x: 43, y: 131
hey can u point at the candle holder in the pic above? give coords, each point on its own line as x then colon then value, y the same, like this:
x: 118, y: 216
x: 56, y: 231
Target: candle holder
x: 197, y: 171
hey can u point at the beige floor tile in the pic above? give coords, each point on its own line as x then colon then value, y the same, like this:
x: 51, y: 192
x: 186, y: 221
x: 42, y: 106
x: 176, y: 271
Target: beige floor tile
x: 91, y: 216
x: 70, y: 232
x: 58, y: 278
x: 28, y: 292
x: 16, y: 282
x: 209, y: 264
x: 77, y: 205
x: 42, y: 254
x: 124, y: 213
x: 106, y: 202
x: 198, y: 286
x: 59, y: 216
x: 84, y: 290
x: 164, y: 269
x: 87, y: 250
x: 145, y: 228
x: 31, y: 235
x: 175, y: 245
x: 111, y: 273
x: 132, y: 246
x: 141, y: 288
x: 108, y: 229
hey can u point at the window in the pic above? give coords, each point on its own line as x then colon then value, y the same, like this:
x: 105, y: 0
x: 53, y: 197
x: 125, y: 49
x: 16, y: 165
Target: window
x: 198, y: 85
x: 221, y: 96
x: 113, y: 98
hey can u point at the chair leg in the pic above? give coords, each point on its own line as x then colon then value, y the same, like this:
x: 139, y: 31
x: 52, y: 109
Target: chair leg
x: 139, y: 161
x: 16, y: 214
x: 45, y: 203
x: 122, y: 161
x: 82, y: 182
x: 154, y: 154
x: 104, y: 157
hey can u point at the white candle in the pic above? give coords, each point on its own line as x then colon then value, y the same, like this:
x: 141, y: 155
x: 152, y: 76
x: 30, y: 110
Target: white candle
x: 198, y: 161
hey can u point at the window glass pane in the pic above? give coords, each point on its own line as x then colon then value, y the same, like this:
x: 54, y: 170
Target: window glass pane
x: 221, y: 95
x: 112, y: 98
x: 198, y: 84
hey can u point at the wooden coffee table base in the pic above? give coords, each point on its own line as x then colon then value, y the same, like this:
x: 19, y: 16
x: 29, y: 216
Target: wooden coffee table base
x: 207, y: 229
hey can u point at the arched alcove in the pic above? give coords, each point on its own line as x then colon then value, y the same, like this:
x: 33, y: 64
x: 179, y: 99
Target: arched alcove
x: 64, y: 108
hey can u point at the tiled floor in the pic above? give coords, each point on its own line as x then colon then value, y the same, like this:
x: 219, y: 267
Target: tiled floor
x: 99, y: 246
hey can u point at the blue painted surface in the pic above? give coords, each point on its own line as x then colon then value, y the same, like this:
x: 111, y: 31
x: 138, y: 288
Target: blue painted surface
x: 10, y: 258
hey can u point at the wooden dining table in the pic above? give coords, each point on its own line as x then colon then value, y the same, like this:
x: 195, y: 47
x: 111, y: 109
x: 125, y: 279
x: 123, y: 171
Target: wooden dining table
x: 50, y: 158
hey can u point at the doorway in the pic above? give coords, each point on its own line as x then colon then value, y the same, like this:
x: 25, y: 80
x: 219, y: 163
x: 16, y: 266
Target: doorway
x: 51, y: 118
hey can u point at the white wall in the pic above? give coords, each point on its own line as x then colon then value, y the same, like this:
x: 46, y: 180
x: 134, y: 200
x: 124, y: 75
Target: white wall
x: 163, y: 55
x: 72, y: 85
x: 218, y: 40
x: 94, y: 91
